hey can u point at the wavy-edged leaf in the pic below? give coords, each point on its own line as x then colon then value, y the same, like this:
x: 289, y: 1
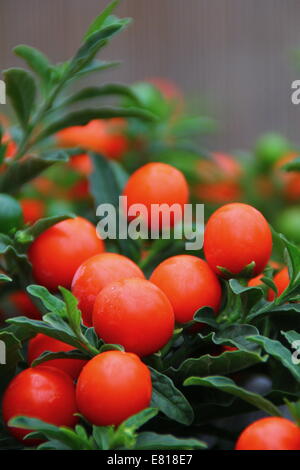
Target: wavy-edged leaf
x: 279, y: 352
x: 226, y: 363
x: 227, y: 385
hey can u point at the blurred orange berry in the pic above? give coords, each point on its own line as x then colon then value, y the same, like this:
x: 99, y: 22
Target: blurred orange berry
x: 33, y: 210
x: 106, y: 137
x: 82, y: 164
x: 290, y: 180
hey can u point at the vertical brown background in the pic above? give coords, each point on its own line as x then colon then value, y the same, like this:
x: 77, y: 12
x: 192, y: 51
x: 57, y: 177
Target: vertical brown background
x: 234, y: 55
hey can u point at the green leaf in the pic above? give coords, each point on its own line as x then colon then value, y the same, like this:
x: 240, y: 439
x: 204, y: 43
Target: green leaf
x: 138, y: 420
x: 3, y: 149
x: 23, y: 171
x: 36, y: 60
x: 103, y: 436
x: 50, y: 356
x: 49, y: 301
x: 83, y: 117
x: 294, y: 165
x: 21, y: 89
x: 169, y: 400
x: 100, y: 19
x: 94, y: 66
x: 292, y: 253
x: 68, y: 437
x: 106, y: 183
x: 227, y: 385
x: 29, y: 234
x: 226, y: 363
x: 125, y: 435
x: 279, y: 352
x: 154, y: 441
x: 53, y: 326
x: 5, y: 278
x: 91, y: 47
x: 111, y: 89
x: 236, y: 335
x: 206, y: 315
x: 73, y: 313
x: 111, y: 347
x: 17, y: 263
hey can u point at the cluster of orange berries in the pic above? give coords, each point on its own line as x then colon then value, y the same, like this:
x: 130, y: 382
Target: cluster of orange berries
x: 123, y: 307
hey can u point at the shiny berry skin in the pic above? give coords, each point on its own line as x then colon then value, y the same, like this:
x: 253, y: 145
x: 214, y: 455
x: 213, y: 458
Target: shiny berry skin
x: 97, y: 272
x: 235, y: 235
x: 134, y: 313
x: 58, y: 252
x: 189, y: 283
x: 112, y: 387
x: 157, y: 183
x: 270, y: 434
x: 40, y: 392
x: 281, y: 281
x: 42, y: 343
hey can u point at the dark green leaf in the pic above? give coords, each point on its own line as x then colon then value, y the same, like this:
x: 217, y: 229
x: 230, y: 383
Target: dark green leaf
x: 91, y: 47
x: 21, y: 89
x: 23, y: 171
x: 29, y: 234
x: 279, y: 352
x: 36, y: 60
x: 227, y: 385
x: 49, y: 356
x: 294, y: 165
x: 111, y: 89
x: 169, y: 400
x: 226, y: 363
x: 153, y: 441
x: 100, y: 19
x: 94, y: 66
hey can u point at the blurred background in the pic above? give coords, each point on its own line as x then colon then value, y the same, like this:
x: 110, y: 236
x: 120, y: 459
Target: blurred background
x: 234, y: 59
